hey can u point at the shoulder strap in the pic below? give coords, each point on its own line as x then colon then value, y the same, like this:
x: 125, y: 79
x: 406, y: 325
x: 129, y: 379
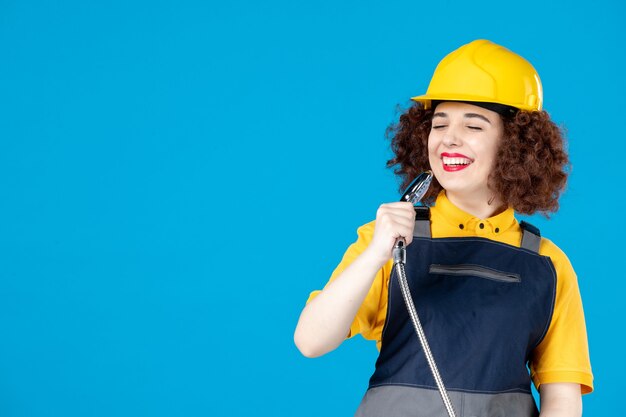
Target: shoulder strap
x: 531, y: 237
x: 422, y: 222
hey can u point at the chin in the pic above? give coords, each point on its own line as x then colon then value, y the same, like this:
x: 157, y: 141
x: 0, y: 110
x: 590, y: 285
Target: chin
x: 460, y: 187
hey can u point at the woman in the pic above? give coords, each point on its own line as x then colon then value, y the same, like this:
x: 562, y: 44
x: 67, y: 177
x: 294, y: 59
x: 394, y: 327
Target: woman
x: 493, y: 295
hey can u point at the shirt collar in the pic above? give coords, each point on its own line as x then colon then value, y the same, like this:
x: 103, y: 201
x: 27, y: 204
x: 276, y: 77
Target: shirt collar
x: 459, y: 219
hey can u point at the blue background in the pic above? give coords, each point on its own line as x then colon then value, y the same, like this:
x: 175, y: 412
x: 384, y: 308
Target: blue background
x: 176, y: 177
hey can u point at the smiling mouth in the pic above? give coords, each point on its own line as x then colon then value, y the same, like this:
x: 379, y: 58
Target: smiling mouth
x: 455, y: 163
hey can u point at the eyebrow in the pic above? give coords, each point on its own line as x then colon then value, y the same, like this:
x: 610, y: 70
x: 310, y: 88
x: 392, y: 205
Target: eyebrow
x: 466, y: 115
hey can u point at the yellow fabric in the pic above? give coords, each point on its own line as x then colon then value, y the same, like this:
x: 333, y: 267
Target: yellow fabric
x: 563, y: 354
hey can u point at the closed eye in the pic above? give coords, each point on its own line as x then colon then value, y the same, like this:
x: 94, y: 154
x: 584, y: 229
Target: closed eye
x: 438, y: 126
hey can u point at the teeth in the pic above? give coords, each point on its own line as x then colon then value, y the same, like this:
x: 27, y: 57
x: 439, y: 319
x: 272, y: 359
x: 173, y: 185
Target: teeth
x: 456, y: 161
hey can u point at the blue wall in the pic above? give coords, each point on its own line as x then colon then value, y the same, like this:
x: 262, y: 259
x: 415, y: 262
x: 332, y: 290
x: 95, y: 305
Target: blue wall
x: 176, y: 177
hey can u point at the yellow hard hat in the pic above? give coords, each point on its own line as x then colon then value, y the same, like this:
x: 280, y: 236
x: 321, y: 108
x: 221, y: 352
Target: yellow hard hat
x: 482, y: 71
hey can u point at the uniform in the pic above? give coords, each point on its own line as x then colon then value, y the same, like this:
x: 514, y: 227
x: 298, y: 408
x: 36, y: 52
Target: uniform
x: 488, y: 308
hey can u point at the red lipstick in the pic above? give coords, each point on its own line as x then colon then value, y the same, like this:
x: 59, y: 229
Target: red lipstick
x: 459, y: 162
x: 455, y: 155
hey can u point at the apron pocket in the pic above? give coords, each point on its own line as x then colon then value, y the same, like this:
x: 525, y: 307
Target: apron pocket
x: 475, y: 271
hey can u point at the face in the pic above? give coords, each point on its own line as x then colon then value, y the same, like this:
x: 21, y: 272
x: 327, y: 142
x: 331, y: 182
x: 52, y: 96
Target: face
x: 462, y: 148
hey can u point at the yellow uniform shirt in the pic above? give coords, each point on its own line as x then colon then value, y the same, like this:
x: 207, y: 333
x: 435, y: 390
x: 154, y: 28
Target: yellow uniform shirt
x: 562, y: 356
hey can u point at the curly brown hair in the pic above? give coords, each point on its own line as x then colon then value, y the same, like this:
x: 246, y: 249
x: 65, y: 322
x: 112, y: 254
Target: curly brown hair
x: 531, y: 165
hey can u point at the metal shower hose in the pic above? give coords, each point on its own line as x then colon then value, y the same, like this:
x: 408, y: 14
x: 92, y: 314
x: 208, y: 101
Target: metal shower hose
x: 399, y: 256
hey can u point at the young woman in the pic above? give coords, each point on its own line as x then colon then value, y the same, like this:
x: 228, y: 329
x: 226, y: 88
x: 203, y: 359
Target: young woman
x: 493, y: 296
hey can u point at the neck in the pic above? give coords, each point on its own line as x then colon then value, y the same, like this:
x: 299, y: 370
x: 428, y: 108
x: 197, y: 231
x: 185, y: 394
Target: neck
x: 479, y: 206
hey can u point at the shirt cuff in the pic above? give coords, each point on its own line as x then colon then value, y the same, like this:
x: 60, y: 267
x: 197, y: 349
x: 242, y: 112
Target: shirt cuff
x: 585, y: 379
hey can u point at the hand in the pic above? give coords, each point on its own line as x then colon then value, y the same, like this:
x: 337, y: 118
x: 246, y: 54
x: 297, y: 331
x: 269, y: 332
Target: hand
x: 393, y: 220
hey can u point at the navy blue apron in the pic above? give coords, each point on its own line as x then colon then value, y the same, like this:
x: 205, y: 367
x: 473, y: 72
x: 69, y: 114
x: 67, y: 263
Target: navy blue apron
x: 484, y: 306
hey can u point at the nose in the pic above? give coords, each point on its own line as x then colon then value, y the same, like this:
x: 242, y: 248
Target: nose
x: 452, y: 137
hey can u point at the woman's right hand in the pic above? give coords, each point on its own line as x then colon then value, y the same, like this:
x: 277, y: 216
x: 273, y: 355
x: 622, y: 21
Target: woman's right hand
x: 326, y: 320
x: 393, y: 220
